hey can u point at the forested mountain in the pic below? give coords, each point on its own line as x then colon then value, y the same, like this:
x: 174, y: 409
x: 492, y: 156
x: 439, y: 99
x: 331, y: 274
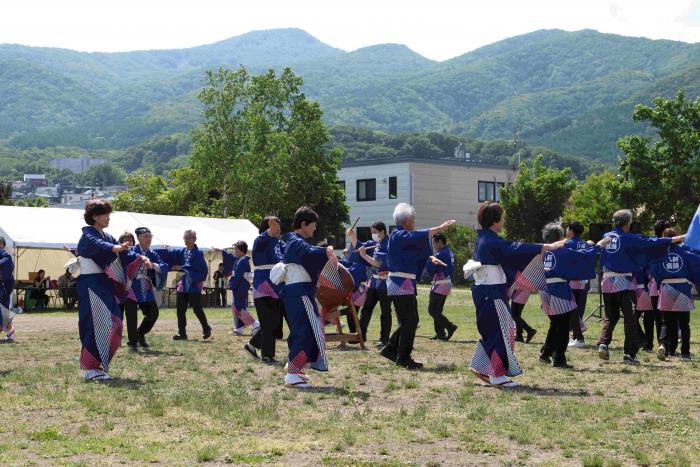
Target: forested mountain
x: 569, y: 91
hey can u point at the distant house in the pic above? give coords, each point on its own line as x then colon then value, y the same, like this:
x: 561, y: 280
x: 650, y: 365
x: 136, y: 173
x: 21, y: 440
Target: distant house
x: 439, y: 189
x: 35, y: 180
x: 77, y: 164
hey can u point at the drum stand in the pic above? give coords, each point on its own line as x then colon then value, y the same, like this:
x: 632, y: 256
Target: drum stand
x: 598, y: 310
x: 333, y: 315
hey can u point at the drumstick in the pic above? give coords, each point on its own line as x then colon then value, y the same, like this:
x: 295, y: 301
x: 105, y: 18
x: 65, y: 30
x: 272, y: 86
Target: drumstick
x: 370, y: 247
x: 355, y: 223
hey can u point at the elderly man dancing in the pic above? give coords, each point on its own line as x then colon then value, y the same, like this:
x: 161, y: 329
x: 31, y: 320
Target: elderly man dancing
x: 409, y: 249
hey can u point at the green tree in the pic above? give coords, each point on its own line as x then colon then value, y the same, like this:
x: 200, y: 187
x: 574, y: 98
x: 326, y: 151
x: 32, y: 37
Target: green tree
x: 663, y: 178
x: 5, y: 194
x: 461, y: 240
x: 261, y: 150
x: 538, y: 196
x: 34, y: 202
x: 146, y: 193
x: 594, y: 200
x: 103, y: 175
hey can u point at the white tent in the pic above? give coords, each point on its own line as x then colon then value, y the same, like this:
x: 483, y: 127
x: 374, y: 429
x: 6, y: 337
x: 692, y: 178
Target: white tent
x: 36, y: 237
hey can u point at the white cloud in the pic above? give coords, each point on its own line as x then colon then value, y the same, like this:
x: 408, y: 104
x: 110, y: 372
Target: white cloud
x: 438, y: 29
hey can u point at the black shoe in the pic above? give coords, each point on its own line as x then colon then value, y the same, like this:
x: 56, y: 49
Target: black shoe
x: 251, y: 350
x: 562, y: 365
x: 438, y: 337
x: 519, y: 339
x: 179, y: 337
x: 388, y: 352
x: 132, y: 346
x: 410, y: 364
x: 270, y: 360
x: 545, y: 359
x: 142, y: 342
x: 207, y: 333
x: 530, y: 334
x: 451, y: 331
x: 630, y: 360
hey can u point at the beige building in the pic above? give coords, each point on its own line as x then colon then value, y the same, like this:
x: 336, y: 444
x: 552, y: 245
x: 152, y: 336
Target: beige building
x: 439, y: 189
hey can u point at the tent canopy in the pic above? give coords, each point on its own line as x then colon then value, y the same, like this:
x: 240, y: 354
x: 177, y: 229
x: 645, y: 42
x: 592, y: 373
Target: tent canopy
x: 37, y: 236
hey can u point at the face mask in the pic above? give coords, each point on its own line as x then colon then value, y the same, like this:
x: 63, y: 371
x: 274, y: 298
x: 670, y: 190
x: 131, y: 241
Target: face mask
x: 376, y: 238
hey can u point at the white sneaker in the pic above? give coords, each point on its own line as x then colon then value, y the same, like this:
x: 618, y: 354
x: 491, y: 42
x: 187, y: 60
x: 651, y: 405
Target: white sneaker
x: 577, y: 344
x: 502, y: 382
x: 302, y: 374
x: 91, y: 375
x: 255, y: 326
x: 292, y: 380
x: 238, y: 331
x: 603, y: 353
x: 661, y: 353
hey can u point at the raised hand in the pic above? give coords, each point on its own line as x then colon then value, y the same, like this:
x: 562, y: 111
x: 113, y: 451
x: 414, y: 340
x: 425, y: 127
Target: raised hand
x: 123, y: 247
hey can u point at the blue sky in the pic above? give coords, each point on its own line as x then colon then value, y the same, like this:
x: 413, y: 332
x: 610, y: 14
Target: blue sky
x: 438, y: 29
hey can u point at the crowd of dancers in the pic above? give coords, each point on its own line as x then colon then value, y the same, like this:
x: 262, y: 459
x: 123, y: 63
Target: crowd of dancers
x: 642, y: 277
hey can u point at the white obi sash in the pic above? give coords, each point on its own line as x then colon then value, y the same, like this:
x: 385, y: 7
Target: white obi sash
x: 484, y: 274
x: 289, y: 274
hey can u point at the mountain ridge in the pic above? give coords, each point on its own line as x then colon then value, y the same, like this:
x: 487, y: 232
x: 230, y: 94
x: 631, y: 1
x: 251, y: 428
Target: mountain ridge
x: 547, y: 84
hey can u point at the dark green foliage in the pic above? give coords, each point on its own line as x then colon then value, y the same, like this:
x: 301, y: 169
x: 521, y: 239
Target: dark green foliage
x: 663, y: 177
x: 537, y: 197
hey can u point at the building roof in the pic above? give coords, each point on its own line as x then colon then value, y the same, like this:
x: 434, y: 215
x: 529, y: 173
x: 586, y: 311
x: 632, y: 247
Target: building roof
x: 424, y: 160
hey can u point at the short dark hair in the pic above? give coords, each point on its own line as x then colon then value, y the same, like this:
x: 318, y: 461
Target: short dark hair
x: 304, y: 215
x: 440, y: 237
x: 576, y: 227
x: 241, y: 245
x: 265, y: 223
x: 488, y: 214
x: 127, y: 236
x: 221, y: 264
x: 379, y: 225
x: 96, y: 207
x: 660, y: 226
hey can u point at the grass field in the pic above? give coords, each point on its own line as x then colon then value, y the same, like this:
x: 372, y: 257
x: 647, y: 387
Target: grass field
x: 187, y: 402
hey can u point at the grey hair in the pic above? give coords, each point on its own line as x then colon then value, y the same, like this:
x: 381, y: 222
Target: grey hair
x: 190, y: 233
x: 3, y: 243
x: 552, y: 232
x: 622, y: 218
x: 403, y: 211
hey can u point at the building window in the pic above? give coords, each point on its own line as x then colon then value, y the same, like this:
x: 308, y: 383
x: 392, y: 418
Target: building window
x: 339, y: 240
x: 341, y: 184
x: 364, y: 234
x: 393, y: 187
x: 487, y: 191
x: 490, y: 191
x: 367, y: 189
